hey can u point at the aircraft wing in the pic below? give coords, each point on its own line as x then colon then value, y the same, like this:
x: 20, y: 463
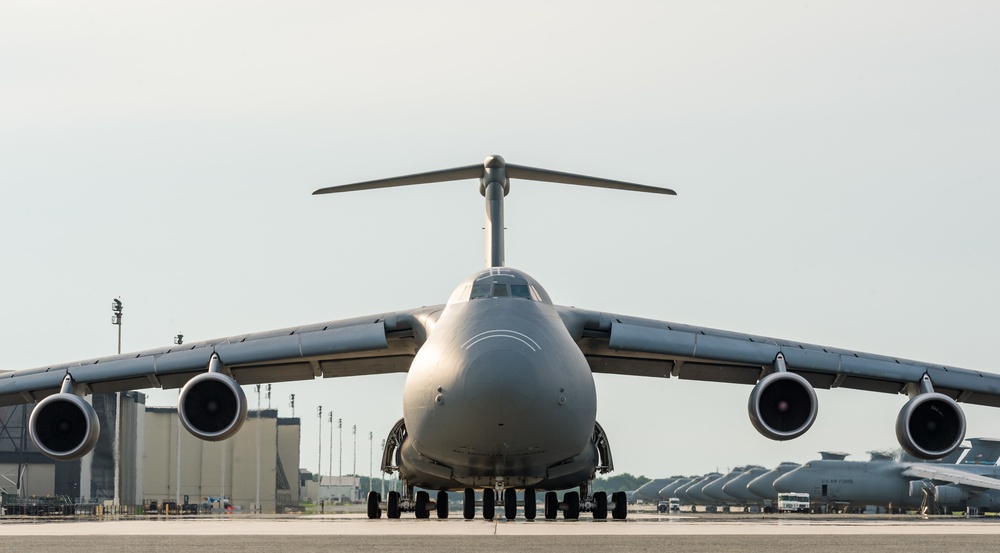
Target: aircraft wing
x: 377, y: 344
x: 618, y: 344
x: 935, y: 471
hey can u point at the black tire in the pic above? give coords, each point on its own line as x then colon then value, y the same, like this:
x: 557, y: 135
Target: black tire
x: 551, y: 506
x: 510, y: 503
x: 621, y: 506
x: 421, y: 505
x: 392, y: 505
x: 469, y: 504
x: 601, y: 506
x: 530, y: 505
x: 489, y: 504
x: 373, y: 509
x: 572, y: 511
x: 442, y: 504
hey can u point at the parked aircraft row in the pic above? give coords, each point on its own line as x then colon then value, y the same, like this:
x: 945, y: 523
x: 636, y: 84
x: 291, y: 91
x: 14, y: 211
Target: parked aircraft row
x: 894, y: 482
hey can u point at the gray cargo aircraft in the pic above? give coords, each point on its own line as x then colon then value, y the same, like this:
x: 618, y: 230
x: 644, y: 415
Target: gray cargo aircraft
x: 648, y: 491
x: 499, y: 394
x: 973, y: 482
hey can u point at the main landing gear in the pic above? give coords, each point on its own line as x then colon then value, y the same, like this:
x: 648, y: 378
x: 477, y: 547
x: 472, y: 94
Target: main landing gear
x: 421, y: 504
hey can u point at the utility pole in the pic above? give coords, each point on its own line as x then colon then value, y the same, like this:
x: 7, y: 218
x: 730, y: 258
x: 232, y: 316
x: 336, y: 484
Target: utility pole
x: 354, y: 430
x: 371, y: 459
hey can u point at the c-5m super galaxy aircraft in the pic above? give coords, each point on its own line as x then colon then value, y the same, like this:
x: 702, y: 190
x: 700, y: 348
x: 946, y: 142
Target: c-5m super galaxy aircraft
x: 499, y: 393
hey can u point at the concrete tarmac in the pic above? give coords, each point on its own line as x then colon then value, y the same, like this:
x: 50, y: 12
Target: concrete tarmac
x: 301, y: 534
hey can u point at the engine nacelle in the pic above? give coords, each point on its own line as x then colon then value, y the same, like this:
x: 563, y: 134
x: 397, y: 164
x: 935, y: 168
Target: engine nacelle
x: 64, y: 427
x: 950, y: 495
x: 212, y: 406
x: 782, y: 406
x: 930, y: 426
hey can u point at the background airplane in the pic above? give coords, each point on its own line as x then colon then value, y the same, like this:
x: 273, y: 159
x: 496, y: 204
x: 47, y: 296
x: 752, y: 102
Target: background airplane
x: 971, y: 482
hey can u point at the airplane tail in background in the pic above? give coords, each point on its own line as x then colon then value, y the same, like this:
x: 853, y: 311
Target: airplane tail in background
x: 984, y: 451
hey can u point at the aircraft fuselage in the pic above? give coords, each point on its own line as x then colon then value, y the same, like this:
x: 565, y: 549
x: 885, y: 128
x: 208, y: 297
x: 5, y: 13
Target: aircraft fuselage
x: 499, y: 391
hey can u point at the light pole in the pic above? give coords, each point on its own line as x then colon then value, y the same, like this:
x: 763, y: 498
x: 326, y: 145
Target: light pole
x: 371, y: 459
x: 116, y: 319
x: 354, y: 430
x: 268, y: 397
x: 319, y: 461
x: 340, y: 452
x: 330, y: 465
x: 383, y: 473
x: 257, y: 502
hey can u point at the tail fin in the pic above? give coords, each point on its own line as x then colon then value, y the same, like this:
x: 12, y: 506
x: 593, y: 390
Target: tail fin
x: 984, y: 451
x: 494, y: 183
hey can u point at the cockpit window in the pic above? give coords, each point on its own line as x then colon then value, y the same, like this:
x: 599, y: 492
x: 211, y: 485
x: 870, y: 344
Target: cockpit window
x: 480, y: 290
x: 520, y: 291
x: 503, y: 290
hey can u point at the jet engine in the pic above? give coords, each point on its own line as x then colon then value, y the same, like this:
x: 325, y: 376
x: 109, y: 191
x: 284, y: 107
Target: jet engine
x: 782, y: 405
x: 212, y: 406
x: 950, y: 495
x: 930, y: 426
x: 64, y: 426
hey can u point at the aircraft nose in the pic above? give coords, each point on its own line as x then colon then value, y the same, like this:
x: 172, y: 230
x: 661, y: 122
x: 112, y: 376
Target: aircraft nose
x: 791, y: 482
x: 762, y: 487
x: 502, y: 381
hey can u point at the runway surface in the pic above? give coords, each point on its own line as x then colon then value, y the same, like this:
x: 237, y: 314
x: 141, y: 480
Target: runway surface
x: 301, y: 534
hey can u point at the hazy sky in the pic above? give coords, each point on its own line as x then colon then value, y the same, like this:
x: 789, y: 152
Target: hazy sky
x: 836, y: 165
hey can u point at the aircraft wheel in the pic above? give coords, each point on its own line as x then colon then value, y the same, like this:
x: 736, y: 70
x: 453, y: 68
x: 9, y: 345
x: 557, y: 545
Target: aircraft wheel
x: 421, y: 507
x: 442, y: 504
x: 489, y: 504
x: 510, y: 503
x: 373, y: 509
x: 572, y: 500
x: 621, y: 506
x: 392, y: 504
x: 601, y: 506
x: 551, y: 505
x: 469, y: 504
x: 530, y: 507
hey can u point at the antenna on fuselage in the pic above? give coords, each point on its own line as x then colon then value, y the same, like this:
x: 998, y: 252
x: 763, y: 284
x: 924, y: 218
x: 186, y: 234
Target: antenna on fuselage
x: 494, y: 183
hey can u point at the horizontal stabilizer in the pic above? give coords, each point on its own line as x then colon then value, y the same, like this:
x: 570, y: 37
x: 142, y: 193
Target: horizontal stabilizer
x: 496, y: 169
x: 545, y: 175
x: 444, y: 175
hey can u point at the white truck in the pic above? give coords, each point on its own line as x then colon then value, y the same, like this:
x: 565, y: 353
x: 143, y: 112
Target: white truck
x: 793, y: 502
x: 672, y: 505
